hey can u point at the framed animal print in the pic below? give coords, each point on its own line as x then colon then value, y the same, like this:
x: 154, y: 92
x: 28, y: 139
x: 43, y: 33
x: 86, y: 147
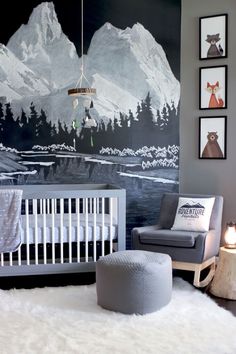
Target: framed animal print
x: 213, y: 87
x: 212, y: 137
x: 213, y: 37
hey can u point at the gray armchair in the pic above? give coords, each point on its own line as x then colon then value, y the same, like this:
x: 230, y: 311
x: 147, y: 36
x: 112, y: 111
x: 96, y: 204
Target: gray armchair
x: 189, y: 250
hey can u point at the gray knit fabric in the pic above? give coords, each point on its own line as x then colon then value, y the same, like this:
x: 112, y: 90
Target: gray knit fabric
x: 134, y: 282
x: 10, y: 210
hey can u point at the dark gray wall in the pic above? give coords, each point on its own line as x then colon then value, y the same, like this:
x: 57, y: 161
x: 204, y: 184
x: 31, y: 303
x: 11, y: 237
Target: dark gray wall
x: 206, y: 176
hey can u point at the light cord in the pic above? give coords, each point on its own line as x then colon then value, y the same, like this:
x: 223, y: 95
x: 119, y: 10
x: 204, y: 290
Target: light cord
x: 82, y: 35
x: 82, y: 76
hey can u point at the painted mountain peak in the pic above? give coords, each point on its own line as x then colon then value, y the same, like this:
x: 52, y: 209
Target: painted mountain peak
x: 135, y: 62
x: 45, y: 49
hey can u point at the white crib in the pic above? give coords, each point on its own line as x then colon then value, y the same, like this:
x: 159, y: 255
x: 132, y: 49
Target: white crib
x: 66, y: 228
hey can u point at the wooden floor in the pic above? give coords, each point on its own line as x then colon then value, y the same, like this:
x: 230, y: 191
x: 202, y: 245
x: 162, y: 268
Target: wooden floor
x: 89, y: 278
x: 229, y: 305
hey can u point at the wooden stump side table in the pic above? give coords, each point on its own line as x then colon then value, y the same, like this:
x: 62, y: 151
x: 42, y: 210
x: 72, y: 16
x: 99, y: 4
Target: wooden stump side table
x: 224, y: 281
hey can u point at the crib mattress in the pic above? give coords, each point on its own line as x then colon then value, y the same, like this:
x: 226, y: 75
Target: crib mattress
x: 103, y: 231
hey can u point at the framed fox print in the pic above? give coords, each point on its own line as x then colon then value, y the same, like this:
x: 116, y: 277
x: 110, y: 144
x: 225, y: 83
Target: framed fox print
x: 213, y: 87
x: 212, y: 137
x: 213, y: 37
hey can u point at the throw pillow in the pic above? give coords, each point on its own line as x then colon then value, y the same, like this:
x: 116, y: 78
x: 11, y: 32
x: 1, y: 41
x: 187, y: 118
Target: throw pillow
x: 193, y: 214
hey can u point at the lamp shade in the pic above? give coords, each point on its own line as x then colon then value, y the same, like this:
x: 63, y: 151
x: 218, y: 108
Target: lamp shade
x: 230, y: 235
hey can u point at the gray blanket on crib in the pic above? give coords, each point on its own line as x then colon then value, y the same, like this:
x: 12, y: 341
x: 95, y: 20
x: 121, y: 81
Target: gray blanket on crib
x: 10, y: 211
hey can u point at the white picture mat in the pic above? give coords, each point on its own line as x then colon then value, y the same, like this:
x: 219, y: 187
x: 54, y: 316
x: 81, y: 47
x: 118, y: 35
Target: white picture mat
x: 212, y: 125
x: 210, y: 26
x: 212, y: 75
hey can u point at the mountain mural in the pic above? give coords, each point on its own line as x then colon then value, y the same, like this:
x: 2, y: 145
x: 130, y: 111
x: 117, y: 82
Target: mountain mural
x: 123, y: 65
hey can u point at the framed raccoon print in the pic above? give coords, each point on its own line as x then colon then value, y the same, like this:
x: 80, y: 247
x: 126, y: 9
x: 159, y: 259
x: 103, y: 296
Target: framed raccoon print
x: 212, y: 137
x: 213, y: 87
x: 213, y: 37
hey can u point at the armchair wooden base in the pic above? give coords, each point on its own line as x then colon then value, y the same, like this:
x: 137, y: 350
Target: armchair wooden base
x: 197, y: 268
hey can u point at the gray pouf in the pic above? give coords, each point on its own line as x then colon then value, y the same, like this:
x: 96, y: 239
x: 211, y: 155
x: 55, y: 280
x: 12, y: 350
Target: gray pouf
x: 134, y: 282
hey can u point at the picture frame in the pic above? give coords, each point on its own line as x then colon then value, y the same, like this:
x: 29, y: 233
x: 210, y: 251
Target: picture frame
x: 213, y: 37
x: 212, y: 137
x: 213, y: 87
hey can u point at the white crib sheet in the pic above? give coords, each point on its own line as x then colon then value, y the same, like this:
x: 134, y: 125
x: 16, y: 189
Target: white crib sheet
x: 65, y: 233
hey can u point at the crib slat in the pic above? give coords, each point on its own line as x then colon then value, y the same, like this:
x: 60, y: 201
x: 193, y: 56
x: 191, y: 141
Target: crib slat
x: 53, y: 230
x: 83, y: 205
x: 35, y: 203
x: 27, y: 231
x: 44, y: 233
x: 111, y: 217
x: 19, y: 256
x: 94, y: 229
x: 61, y: 229
x: 10, y: 259
x: 103, y: 215
x: 2, y: 259
x: 35, y: 208
x: 78, y: 228
x: 70, y: 240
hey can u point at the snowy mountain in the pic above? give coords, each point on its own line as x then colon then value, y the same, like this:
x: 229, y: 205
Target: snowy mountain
x: 45, y: 49
x: 132, y: 60
x: 16, y: 79
x: 112, y: 98
x: 123, y: 65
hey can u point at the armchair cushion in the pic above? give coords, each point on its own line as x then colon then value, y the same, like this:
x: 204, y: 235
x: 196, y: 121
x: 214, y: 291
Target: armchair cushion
x: 184, y: 239
x: 193, y: 214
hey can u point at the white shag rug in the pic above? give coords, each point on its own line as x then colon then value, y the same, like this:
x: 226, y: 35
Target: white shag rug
x: 68, y: 320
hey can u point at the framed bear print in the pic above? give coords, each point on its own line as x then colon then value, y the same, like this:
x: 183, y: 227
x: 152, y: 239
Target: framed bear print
x: 213, y: 87
x: 213, y: 37
x: 212, y: 137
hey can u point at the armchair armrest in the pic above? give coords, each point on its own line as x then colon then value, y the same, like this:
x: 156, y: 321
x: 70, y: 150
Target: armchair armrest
x: 209, y: 243
x: 212, y: 244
